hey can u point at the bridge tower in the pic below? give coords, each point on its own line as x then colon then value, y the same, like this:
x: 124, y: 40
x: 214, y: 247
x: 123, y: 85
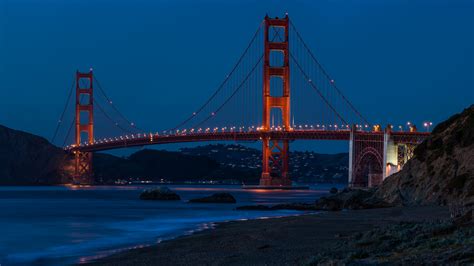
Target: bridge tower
x: 85, y: 110
x: 276, y: 152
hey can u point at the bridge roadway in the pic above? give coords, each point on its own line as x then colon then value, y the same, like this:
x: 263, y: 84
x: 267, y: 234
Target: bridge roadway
x: 137, y: 140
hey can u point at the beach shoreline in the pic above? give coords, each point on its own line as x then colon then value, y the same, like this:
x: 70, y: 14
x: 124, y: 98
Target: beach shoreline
x: 282, y: 241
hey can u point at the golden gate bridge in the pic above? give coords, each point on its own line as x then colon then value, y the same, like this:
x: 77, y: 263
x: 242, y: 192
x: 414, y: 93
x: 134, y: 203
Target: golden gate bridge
x: 275, y: 93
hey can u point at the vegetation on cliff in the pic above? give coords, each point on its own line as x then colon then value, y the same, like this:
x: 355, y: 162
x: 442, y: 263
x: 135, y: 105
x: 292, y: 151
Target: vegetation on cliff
x: 442, y: 169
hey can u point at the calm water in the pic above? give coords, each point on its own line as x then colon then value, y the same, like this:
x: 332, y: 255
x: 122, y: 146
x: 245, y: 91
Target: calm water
x: 61, y: 225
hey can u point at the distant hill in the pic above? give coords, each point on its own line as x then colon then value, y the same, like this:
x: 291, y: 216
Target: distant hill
x: 155, y: 165
x: 26, y: 159
x: 442, y: 169
x: 305, y: 167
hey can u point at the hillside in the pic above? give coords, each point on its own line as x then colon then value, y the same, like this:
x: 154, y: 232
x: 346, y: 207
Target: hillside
x: 26, y: 159
x: 305, y: 167
x: 442, y: 169
x: 155, y: 165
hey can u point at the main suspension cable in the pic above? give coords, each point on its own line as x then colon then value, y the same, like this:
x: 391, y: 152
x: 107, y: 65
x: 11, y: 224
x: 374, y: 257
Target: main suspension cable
x: 60, y: 121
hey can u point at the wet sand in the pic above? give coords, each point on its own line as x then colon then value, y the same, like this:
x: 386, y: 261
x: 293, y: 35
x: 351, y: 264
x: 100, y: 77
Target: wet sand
x: 277, y: 241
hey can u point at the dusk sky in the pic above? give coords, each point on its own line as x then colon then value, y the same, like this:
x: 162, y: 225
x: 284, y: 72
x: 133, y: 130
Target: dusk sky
x: 397, y: 60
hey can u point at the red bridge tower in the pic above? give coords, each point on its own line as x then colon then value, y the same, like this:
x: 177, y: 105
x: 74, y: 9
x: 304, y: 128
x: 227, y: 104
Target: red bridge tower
x: 275, y: 152
x: 84, y: 106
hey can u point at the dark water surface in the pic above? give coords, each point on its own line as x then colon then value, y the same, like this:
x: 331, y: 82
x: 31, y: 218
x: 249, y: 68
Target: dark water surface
x: 63, y: 225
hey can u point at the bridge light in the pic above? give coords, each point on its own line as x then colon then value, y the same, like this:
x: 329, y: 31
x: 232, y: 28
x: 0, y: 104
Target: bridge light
x: 194, y: 113
x: 427, y: 125
x: 332, y: 81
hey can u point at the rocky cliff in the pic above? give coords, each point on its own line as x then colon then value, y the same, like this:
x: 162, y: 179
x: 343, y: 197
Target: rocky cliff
x: 26, y: 159
x: 442, y: 169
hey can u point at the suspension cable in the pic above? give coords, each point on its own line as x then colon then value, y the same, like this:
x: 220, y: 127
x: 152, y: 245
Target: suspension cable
x: 221, y: 86
x: 317, y: 89
x: 109, y: 118
x: 60, y: 121
x: 233, y: 93
x: 114, y: 107
x: 325, y: 73
x: 277, y: 33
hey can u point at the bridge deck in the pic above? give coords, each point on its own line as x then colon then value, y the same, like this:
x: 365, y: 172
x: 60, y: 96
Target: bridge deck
x: 155, y: 138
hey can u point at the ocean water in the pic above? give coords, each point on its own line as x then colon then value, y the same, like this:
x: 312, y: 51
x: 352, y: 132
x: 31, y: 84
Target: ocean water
x: 63, y: 225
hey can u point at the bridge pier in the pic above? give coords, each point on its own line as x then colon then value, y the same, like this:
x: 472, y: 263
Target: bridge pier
x: 83, y: 174
x: 275, y: 163
x: 390, y: 155
x: 373, y: 156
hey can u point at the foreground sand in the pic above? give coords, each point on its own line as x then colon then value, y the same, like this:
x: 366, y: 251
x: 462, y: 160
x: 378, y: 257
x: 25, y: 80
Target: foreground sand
x: 279, y: 241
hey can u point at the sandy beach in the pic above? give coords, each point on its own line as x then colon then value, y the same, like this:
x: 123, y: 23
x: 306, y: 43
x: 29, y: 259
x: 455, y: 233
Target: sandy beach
x: 277, y: 241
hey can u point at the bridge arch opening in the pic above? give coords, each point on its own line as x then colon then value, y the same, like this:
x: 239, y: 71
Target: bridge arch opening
x: 369, y: 169
x: 84, y: 118
x: 277, y: 58
x: 84, y: 83
x: 276, y: 34
x: 276, y: 86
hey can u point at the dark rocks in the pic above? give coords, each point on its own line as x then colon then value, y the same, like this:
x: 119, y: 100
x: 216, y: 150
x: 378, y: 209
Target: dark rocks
x: 216, y: 198
x: 404, y: 243
x: 353, y: 199
x: 333, y: 190
x: 329, y: 204
x: 289, y: 206
x: 161, y: 193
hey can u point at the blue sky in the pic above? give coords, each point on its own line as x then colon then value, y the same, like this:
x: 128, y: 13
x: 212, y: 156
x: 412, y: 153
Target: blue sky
x: 397, y: 60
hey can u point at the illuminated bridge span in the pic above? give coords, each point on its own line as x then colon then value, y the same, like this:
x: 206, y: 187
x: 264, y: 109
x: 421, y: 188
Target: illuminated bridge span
x: 257, y: 101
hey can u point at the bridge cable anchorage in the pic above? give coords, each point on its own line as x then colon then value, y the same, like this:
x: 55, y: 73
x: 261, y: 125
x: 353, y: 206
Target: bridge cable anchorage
x: 114, y: 107
x: 326, y: 74
x: 233, y: 93
x: 60, y: 121
x: 221, y: 86
x: 308, y: 79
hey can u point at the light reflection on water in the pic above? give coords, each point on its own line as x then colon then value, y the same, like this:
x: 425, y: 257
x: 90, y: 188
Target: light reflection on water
x: 59, y: 225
